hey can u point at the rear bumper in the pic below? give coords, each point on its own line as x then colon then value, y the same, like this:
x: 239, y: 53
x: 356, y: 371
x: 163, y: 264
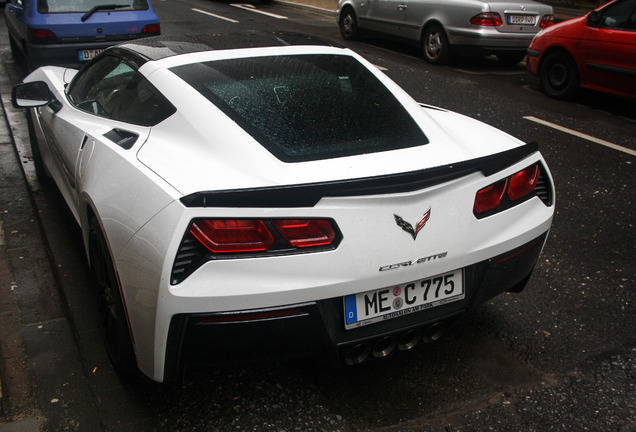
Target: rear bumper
x: 316, y: 329
x: 66, y: 54
x: 488, y: 40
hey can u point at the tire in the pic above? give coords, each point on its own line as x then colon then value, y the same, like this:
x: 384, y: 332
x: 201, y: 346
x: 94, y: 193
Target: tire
x: 111, y: 309
x: 435, y: 45
x: 15, y: 50
x: 40, y: 170
x: 349, y: 25
x: 559, y: 76
x: 510, y: 59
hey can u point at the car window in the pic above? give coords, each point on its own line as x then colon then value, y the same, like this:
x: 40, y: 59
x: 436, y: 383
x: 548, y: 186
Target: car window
x: 69, y: 6
x: 620, y: 15
x: 306, y: 107
x: 111, y: 88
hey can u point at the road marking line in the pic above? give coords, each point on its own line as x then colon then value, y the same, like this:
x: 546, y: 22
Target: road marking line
x: 251, y: 8
x: 214, y: 15
x: 582, y: 135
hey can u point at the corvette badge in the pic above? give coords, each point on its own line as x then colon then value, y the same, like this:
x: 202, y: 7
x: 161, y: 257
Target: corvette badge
x: 409, y: 228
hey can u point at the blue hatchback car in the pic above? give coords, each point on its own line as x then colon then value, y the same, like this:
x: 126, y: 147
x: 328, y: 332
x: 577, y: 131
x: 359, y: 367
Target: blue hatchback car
x: 70, y: 32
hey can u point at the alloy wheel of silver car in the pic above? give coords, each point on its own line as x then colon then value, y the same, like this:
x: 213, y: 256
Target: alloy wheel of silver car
x: 435, y: 45
x: 349, y: 25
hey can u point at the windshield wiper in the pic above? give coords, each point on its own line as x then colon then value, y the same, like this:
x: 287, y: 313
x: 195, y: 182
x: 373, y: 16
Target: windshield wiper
x: 94, y: 9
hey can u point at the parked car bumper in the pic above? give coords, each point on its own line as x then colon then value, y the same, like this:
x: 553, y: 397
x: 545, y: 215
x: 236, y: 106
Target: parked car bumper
x: 488, y: 40
x: 67, y: 54
x: 532, y: 61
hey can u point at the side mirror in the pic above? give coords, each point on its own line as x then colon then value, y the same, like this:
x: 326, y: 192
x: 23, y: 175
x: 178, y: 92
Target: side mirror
x: 594, y: 19
x: 31, y: 94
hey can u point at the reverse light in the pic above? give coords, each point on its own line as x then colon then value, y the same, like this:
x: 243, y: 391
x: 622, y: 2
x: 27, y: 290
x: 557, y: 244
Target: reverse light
x: 232, y: 235
x: 151, y: 29
x: 305, y: 232
x: 490, y: 197
x: 487, y: 19
x: 546, y: 21
x: 41, y: 34
x: 523, y: 183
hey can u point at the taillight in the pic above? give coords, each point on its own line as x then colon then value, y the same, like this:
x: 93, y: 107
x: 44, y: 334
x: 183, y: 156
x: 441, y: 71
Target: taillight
x: 487, y: 19
x: 546, y: 21
x: 232, y: 235
x: 305, y: 233
x: 41, y: 34
x: 151, y: 29
x: 515, y: 187
x: 255, y: 235
x: 523, y: 183
x: 490, y: 197
x: 220, y: 239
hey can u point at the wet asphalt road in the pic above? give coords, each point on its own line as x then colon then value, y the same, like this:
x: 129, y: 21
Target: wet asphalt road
x: 560, y: 356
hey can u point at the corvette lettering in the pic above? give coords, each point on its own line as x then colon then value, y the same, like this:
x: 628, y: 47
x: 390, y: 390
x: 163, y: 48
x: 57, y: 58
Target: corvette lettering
x: 413, y: 262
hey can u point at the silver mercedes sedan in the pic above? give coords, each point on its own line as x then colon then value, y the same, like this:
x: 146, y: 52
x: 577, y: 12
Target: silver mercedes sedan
x: 443, y: 28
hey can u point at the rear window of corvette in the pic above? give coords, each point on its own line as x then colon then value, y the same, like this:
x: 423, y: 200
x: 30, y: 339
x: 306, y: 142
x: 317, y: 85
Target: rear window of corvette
x: 306, y: 107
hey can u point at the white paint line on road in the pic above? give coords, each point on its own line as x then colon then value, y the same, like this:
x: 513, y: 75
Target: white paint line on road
x: 582, y: 135
x: 215, y: 15
x: 251, y: 8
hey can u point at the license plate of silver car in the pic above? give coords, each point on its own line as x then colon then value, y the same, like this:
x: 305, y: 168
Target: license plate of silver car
x: 399, y: 300
x: 521, y: 19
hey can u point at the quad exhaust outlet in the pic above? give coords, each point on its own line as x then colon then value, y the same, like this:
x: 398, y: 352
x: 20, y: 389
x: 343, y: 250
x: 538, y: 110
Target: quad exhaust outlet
x: 384, y: 346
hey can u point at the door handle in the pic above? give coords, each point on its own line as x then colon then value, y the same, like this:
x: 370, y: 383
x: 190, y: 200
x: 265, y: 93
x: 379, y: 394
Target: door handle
x: 402, y: 7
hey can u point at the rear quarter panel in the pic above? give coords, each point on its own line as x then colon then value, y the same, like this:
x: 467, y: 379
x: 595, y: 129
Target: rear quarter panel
x: 450, y: 14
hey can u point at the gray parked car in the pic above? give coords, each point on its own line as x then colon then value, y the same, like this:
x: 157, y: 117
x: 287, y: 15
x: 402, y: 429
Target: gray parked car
x: 444, y: 27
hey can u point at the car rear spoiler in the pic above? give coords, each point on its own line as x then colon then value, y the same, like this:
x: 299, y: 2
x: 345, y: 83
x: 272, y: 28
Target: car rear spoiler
x: 308, y: 195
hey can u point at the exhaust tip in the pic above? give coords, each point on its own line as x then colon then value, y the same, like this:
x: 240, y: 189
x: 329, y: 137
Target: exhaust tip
x: 434, y: 332
x: 409, y: 339
x: 357, y: 354
x: 384, y: 346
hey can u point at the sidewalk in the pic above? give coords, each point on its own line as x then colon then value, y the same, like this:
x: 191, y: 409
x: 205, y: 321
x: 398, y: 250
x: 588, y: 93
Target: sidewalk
x: 43, y: 384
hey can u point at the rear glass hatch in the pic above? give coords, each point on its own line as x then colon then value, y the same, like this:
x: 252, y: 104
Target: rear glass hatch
x: 306, y: 107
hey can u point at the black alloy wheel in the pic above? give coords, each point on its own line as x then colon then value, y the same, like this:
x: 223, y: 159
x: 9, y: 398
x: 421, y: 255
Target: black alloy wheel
x: 112, y: 314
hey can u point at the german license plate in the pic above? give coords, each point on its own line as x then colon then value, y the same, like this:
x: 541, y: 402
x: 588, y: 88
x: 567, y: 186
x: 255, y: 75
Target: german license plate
x: 521, y: 19
x: 88, y: 54
x: 387, y: 303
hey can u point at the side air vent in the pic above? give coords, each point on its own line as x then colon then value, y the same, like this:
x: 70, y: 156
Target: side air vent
x: 122, y: 138
x: 189, y: 257
x: 544, y: 189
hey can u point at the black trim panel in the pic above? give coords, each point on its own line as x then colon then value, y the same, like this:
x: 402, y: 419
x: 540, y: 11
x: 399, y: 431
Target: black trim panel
x: 615, y: 69
x: 308, y: 195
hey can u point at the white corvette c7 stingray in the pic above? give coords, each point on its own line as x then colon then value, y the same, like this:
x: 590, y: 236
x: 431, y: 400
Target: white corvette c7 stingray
x: 262, y: 196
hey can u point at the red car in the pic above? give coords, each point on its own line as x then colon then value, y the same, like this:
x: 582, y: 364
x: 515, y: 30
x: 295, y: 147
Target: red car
x: 596, y: 51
